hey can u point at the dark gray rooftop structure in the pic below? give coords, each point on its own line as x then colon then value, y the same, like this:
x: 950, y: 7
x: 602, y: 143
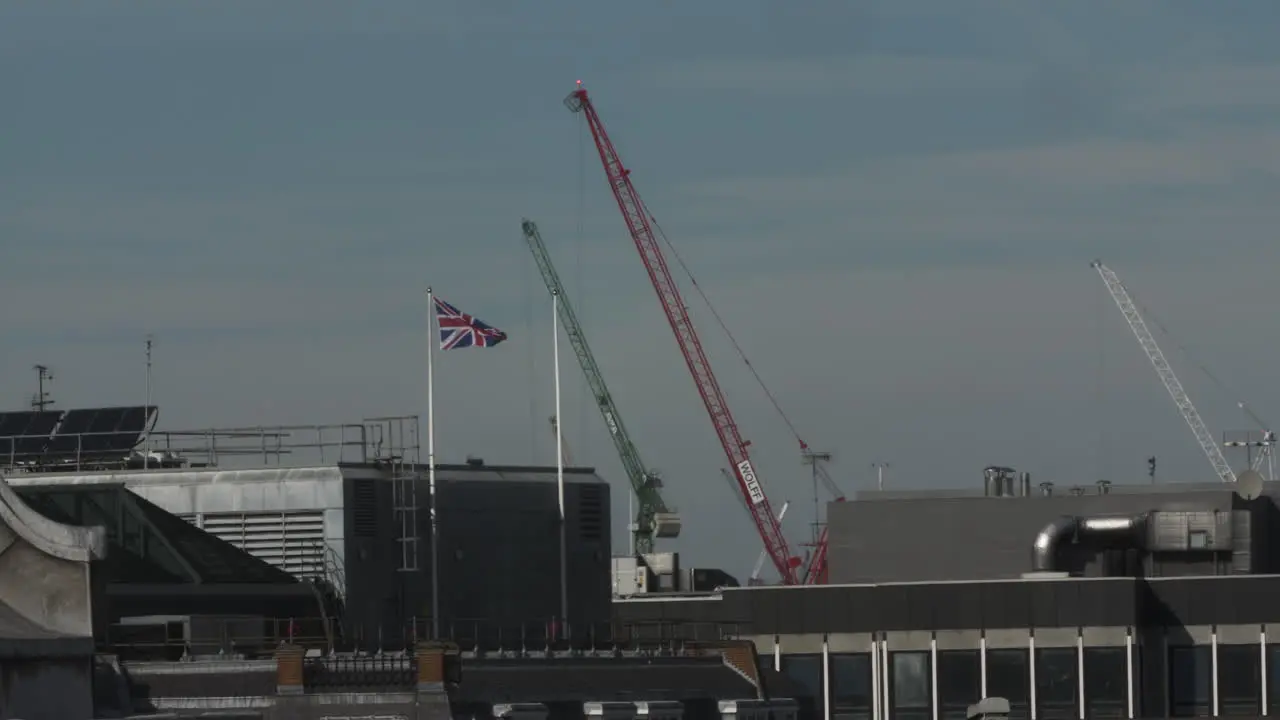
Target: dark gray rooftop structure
x: 1102, y: 601
x: 499, y: 563
x: 1178, y: 530
x: 343, y: 527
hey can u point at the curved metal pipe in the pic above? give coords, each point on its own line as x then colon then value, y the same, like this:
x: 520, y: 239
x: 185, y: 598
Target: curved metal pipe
x: 1124, y: 528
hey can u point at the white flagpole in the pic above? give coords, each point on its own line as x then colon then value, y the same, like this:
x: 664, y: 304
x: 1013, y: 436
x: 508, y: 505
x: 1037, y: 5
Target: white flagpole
x: 432, y: 338
x: 555, y: 346
x: 146, y: 414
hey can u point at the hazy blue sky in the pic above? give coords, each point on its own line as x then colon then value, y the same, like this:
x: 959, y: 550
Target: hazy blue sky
x: 893, y: 205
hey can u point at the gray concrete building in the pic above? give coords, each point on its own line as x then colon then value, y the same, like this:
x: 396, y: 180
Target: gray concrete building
x: 217, y: 569
x: 1098, y: 602
x: 970, y: 535
x: 434, y: 681
x: 47, y: 608
x: 354, y: 528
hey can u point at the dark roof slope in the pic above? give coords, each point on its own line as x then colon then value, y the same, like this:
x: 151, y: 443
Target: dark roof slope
x: 145, y: 543
x: 214, y: 559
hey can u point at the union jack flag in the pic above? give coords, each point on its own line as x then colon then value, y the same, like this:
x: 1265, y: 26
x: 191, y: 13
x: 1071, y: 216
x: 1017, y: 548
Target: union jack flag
x: 459, y: 330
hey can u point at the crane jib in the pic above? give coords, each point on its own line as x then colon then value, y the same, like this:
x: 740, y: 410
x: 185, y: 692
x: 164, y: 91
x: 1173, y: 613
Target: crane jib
x: 646, y: 241
x: 748, y: 475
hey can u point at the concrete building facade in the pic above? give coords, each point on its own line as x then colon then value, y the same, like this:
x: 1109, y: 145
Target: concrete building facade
x: 347, y: 526
x: 47, y: 607
x: 1113, y: 602
x: 959, y: 535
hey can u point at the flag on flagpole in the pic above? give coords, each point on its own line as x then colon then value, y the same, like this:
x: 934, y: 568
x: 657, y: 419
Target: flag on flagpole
x: 455, y: 330
x: 459, y: 330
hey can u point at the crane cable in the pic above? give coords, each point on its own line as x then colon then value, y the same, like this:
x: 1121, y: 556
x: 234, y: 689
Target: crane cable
x: 822, y: 473
x: 737, y: 347
x: 1185, y: 351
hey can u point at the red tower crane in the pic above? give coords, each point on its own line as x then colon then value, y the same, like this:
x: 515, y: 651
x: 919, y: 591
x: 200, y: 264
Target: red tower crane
x: 735, y: 448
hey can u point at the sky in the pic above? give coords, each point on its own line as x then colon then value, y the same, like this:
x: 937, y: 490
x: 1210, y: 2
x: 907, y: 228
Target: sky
x: 892, y: 205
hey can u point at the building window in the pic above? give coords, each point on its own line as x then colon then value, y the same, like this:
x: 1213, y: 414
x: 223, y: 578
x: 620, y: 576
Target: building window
x: 807, y: 671
x: 1239, y: 680
x: 1057, y: 679
x: 1191, y: 681
x: 851, y: 686
x: 911, y: 691
x: 959, y: 682
x: 1009, y: 677
x: 1106, y: 683
x: 1273, y: 679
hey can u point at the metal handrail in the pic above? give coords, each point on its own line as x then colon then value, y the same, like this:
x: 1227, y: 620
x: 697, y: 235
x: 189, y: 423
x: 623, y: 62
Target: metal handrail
x: 259, y: 637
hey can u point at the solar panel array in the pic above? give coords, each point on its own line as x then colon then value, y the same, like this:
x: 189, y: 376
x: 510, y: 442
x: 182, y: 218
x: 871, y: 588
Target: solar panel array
x: 59, y: 437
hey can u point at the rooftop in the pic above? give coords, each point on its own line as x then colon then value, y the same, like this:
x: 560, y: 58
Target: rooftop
x: 1038, y: 489
x: 705, y: 675
x: 145, y: 543
x: 94, y: 444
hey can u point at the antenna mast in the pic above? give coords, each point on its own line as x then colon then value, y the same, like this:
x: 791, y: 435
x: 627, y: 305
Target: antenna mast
x: 812, y: 458
x: 42, y: 399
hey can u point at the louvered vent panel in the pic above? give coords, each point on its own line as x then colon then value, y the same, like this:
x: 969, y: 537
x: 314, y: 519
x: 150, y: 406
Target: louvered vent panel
x: 364, y: 508
x: 293, y: 542
x: 591, y: 512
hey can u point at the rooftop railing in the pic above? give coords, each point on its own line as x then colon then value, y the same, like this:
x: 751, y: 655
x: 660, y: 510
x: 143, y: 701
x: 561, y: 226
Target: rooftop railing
x: 240, y: 637
x: 380, y: 439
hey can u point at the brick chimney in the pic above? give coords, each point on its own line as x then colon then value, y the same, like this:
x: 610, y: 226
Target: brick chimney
x: 430, y: 661
x: 289, y: 669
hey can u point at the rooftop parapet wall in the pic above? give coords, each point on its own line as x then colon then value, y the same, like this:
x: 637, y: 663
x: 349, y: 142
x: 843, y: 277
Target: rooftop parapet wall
x: 45, y: 567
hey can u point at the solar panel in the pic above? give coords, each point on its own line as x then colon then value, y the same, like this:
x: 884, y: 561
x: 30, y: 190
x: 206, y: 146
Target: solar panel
x: 102, y: 440
x: 11, y: 425
x: 29, y: 432
x: 66, y: 444
x: 131, y: 423
x: 42, y: 423
x: 14, y: 423
x: 95, y: 434
x: 135, y: 419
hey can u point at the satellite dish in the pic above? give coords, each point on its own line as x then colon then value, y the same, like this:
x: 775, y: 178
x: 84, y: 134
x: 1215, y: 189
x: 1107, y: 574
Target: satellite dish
x: 1249, y: 484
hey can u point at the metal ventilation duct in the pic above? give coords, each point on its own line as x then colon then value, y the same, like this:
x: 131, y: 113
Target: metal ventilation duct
x: 1129, y: 530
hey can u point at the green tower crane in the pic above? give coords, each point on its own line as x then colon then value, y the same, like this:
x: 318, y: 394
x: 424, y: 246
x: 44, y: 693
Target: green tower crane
x: 654, y: 519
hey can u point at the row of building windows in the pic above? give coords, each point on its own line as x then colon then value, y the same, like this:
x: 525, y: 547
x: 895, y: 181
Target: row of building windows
x: 1070, y: 683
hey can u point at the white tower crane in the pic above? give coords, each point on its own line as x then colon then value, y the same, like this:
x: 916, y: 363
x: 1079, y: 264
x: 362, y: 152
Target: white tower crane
x: 1171, y: 383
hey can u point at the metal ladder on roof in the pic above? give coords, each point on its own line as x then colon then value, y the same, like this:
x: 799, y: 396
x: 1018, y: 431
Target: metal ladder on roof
x: 400, y: 436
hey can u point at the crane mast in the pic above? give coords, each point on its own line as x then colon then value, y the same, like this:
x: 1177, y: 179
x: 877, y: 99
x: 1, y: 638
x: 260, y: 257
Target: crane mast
x: 816, y: 572
x: 754, y: 578
x: 713, y: 398
x: 1266, y: 445
x: 1129, y: 309
x: 653, y: 518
